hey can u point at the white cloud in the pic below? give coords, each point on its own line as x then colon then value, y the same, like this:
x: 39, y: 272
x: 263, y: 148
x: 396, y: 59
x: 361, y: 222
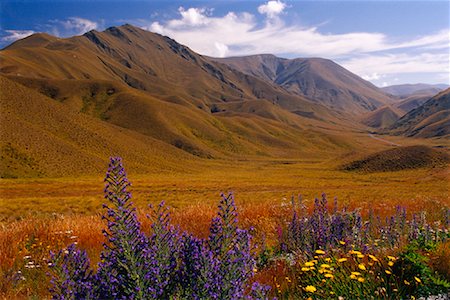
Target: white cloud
x: 372, y: 55
x: 272, y: 8
x: 373, y: 76
x: 13, y: 35
x: 366, y: 65
x: 79, y: 25
x: 242, y: 35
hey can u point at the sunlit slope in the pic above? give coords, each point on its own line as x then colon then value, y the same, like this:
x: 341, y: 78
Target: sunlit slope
x: 431, y: 119
x: 40, y: 137
x: 148, y: 62
x: 321, y: 80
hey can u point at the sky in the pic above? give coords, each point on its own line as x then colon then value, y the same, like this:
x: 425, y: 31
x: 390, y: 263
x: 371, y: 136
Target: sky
x: 385, y: 42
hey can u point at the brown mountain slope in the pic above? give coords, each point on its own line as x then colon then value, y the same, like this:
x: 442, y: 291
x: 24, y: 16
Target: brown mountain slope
x: 319, y: 79
x: 411, y: 157
x: 382, y: 117
x: 40, y: 137
x: 148, y: 62
x: 431, y: 119
x: 413, y: 101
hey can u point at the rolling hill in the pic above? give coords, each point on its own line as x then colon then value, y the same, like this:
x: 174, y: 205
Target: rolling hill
x: 383, y: 117
x: 164, y: 97
x: 431, y: 119
x: 319, y: 79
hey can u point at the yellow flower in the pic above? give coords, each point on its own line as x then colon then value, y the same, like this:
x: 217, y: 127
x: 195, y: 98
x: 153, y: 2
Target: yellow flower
x: 327, y: 259
x: 373, y: 257
x: 320, y: 252
x: 329, y: 275
x: 417, y: 279
x: 342, y: 242
x: 342, y: 259
x: 362, y: 267
x: 310, y: 289
x: 361, y: 279
x: 325, y: 266
x: 288, y: 279
x: 353, y: 276
x: 309, y: 264
x: 356, y: 273
x: 355, y: 252
x: 305, y: 269
x: 391, y: 257
x: 406, y: 282
x: 360, y: 255
x: 390, y: 264
x: 255, y: 270
x: 388, y: 272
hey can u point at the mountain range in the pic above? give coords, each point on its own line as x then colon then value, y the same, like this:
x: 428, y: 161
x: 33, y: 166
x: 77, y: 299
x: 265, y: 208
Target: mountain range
x: 130, y: 92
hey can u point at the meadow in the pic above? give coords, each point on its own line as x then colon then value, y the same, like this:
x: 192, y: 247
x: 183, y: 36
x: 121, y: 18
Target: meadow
x: 42, y: 215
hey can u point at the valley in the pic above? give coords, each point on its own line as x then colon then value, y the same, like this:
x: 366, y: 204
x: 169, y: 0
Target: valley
x: 189, y: 127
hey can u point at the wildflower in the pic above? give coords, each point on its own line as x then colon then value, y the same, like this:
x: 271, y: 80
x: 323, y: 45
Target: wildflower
x: 373, y: 257
x: 325, y: 266
x: 356, y: 273
x: 360, y: 255
x: 391, y: 258
x: 309, y: 264
x: 310, y: 289
x: 390, y: 264
x: 355, y: 252
x: 342, y: 259
x: 342, y: 242
x: 288, y: 279
x: 305, y: 269
x: 362, y: 267
x: 388, y: 272
x: 353, y: 276
x: 406, y: 282
x: 327, y: 259
x: 361, y: 279
x: 417, y: 279
x: 320, y: 252
x: 328, y: 275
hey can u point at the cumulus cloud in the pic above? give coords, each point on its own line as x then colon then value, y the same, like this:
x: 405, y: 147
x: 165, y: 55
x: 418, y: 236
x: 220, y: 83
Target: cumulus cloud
x: 79, y: 25
x: 13, y: 35
x: 272, y: 8
x: 368, y: 54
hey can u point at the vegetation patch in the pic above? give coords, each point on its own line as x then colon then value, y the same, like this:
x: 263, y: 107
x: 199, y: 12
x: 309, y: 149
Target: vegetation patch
x: 411, y: 157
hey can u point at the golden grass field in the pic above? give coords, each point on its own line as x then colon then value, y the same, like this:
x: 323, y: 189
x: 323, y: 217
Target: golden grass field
x: 42, y: 214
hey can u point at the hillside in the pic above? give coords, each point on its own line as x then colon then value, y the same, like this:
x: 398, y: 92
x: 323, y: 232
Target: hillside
x: 382, y: 117
x: 319, y: 79
x: 167, y: 98
x: 411, y: 157
x: 41, y: 137
x: 413, y: 101
x: 431, y: 119
x: 147, y: 62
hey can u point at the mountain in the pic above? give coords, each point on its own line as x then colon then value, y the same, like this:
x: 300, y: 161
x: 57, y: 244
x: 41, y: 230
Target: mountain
x: 404, y: 90
x: 145, y: 61
x: 414, y: 100
x: 321, y: 80
x: 42, y: 137
x: 383, y: 117
x: 431, y: 119
x: 161, y: 98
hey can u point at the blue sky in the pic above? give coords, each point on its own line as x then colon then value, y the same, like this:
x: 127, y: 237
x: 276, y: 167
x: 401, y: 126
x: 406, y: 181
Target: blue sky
x: 386, y: 42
